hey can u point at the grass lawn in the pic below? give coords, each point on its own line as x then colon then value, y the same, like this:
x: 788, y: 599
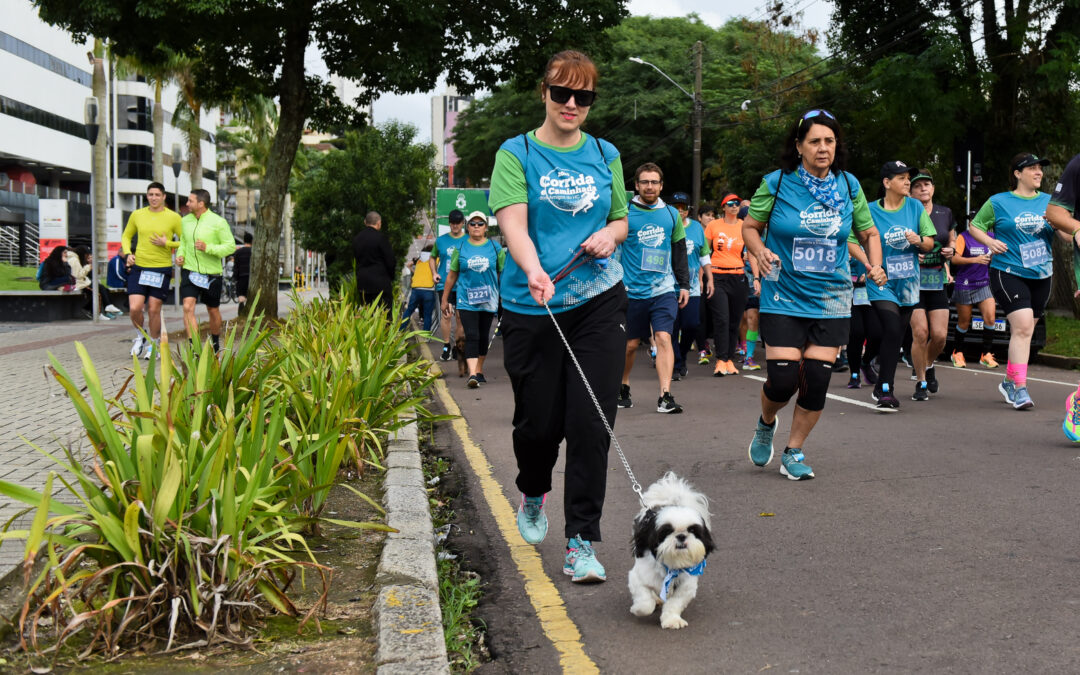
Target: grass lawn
x: 9, y: 274
x: 1062, y: 336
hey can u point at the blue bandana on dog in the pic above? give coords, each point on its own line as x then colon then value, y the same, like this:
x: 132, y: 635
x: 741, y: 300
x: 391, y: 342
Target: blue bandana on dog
x: 824, y: 189
x: 672, y: 574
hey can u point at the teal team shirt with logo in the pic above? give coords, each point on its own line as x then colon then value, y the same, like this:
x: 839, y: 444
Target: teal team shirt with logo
x: 646, y: 253
x: 478, y: 267
x: 813, y: 278
x: 696, y: 250
x: 1020, y: 223
x: 445, y: 245
x: 900, y: 257
x: 571, y: 193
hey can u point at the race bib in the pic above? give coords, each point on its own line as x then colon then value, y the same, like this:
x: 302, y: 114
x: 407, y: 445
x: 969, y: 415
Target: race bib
x: 200, y: 280
x: 901, y: 267
x: 151, y: 279
x: 931, y: 278
x: 813, y: 255
x: 654, y: 260
x: 860, y: 297
x: 1034, y: 253
x: 478, y: 295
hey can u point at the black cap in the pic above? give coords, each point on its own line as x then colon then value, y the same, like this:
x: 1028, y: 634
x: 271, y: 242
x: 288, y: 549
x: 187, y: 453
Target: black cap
x: 456, y: 216
x: 1028, y: 159
x: 895, y: 168
x: 680, y: 198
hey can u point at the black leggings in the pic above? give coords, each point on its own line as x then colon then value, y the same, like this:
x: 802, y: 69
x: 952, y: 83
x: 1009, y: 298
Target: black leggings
x: 726, y: 306
x: 477, y: 327
x: 893, y: 320
x: 103, y: 293
x: 865, y: 327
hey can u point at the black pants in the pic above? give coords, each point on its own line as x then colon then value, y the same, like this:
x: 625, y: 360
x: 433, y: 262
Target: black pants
x: 893, y: 321
x: 726, y: 306
x: 105, y: 298
x: 865, y: 327
x: 551, y: 403
x: 371, y: 295
x: 477, y: 326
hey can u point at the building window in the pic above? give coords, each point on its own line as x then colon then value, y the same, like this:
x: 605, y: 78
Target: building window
x: 29, y: 113
x: 14, y: 45
x: 135, y: 113
x: 135, y: 161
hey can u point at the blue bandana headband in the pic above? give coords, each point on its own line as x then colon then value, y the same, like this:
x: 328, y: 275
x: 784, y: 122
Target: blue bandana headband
x: 824, y: 190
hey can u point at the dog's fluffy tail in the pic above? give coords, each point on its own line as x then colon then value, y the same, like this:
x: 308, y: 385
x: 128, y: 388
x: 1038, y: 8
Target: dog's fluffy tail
x: 671, y: 490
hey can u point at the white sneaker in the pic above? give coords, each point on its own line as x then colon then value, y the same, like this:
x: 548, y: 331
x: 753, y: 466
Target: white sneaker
x: 104, y: 317
x: 112, y: 309
x: 137, y: 345
x: 149, y: 350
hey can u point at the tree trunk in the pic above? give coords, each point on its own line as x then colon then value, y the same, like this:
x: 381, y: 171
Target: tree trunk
x: 159, y: 130
x: 100, y: 165
x: 294, y: 104
x: 1064, y: 283
x: 195, y: 148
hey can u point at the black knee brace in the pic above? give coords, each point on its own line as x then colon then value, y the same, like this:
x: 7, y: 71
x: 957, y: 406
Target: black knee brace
x: 813, y: 384
x: 782, y: 380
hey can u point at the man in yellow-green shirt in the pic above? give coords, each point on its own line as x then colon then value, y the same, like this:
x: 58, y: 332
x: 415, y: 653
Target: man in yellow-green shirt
x: 158, y: 231
x: 206, y: 240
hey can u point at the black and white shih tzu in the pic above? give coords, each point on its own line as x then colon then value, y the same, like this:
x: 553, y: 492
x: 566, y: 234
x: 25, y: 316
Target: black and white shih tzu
x: 671, y: 542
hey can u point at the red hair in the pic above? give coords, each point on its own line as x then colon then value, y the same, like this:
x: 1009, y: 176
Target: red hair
x: 571, y: 68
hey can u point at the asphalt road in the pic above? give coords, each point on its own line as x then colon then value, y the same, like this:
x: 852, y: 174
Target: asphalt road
x: 941, y: 539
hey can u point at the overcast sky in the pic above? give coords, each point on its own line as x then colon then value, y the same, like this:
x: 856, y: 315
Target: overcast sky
x: 416, y: 108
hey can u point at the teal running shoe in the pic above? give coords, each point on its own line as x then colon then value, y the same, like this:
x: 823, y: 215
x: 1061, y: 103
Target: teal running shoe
x: 532, y: 522
x: 1008, y: 390
x: 761, y: 448
x: 1022, y: 400
x: 1071, y: 425
x: 581, y: 563
x: 792, y: 466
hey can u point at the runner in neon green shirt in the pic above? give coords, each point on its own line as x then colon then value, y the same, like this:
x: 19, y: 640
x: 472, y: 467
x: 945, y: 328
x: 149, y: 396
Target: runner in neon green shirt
x: 206, y: 239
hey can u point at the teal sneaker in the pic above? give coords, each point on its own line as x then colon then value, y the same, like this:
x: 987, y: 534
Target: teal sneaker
x: 581, y: 563
x: 761, y: 449
x: 792, y: 466
x: 1008, y: 390
x: 1071, y: 425
x: 532, y: 522
x: 1022, y: 400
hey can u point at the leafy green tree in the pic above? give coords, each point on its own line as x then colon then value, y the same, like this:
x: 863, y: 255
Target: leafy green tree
x: 378, y: 169
x: 403, y: 46
x: 648, y: 118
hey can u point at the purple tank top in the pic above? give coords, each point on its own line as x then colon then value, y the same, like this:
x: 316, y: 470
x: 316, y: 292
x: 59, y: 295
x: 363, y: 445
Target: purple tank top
x: 973, y: 276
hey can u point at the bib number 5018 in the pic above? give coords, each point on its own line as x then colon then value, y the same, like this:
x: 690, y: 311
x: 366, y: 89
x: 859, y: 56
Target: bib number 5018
x: 813, y: 255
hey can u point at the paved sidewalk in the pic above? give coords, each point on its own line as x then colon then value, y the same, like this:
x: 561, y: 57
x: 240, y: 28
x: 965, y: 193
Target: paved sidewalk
x: 34, y: 407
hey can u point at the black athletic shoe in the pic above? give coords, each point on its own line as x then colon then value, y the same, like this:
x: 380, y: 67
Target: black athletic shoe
x: 480, y: 378
x: 921, y: 394
x: 931, y: 380
x: 447, y: 352
x: 683, y: 371
x: 667, y: 404
x: 675, y: 375
x: 473, y: 383
x: 624, y: 397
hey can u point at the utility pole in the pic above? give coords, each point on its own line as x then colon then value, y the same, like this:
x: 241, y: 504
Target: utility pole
x: 697, y: 123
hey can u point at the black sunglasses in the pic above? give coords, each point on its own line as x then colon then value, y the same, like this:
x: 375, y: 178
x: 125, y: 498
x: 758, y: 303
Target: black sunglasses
x: 477, y: 223
x: 731, y: 203
x: 583, y: 97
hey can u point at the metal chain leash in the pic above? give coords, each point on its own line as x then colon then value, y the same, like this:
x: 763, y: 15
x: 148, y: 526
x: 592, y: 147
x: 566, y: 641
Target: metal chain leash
x: 634, y: 484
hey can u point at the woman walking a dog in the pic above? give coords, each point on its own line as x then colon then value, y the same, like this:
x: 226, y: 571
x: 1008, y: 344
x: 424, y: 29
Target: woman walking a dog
x: 811, y: 205
x: 558, y: 195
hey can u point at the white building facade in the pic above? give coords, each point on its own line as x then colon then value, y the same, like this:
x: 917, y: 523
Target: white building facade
x: 444, y: 113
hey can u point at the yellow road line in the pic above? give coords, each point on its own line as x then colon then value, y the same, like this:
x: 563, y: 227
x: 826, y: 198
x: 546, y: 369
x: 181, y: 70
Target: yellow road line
x: 544, y: 596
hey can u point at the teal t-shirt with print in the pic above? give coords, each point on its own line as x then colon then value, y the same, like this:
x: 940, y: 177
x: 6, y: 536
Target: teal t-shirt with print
x: 444, y: 248
x: 478, y: 267
x: 1020, y: 222
x: 646, y: 253
x: 812, y: 279
x: 900, y: 257
x: 696, y: 249
x: 571, y: 193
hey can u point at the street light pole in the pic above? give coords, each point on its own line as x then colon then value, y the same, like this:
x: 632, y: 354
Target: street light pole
x: 177, y: 162
x: 696, y: 116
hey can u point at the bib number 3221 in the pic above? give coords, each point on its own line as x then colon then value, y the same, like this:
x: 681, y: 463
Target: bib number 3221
x: 813, y: 255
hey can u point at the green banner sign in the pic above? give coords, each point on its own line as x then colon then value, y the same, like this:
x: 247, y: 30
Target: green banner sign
x: 465, y: 200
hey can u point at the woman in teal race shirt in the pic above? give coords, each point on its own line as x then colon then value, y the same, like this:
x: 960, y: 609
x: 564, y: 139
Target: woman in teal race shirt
x: 1021, y: 266
x: 905, y: 230
x: 559, y: 196
x: 811, y: 205
x: 473, y: 274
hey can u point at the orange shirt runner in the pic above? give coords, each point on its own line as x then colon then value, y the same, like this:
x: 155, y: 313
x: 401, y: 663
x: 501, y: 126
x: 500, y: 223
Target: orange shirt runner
x: 726, y: 241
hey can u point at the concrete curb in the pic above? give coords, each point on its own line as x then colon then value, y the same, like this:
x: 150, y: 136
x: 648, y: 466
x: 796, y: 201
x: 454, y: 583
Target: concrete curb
x: 1055, y: 361
x: 408, y: 619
